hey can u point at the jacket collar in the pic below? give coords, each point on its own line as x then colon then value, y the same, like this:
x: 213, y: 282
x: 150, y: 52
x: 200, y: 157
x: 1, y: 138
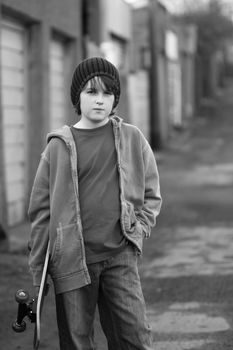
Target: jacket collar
x: 65, y: 134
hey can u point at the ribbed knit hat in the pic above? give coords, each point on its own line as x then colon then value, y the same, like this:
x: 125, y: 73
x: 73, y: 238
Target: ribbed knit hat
x: 89, y: 68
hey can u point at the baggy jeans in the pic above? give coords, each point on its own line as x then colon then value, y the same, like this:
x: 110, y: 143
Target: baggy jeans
x: 116, y: 289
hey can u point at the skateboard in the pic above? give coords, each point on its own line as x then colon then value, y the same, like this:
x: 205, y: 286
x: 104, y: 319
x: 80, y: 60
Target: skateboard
x: 32, y: 307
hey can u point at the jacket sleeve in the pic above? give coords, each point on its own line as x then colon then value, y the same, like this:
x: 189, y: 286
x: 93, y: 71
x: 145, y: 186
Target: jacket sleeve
x: 39, y: 216
x: 152, y: 196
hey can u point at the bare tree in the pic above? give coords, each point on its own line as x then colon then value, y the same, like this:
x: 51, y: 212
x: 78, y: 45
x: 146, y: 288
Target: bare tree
x: 214, y: 24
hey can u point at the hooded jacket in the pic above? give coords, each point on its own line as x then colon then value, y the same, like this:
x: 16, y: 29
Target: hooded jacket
x: 54, y: 209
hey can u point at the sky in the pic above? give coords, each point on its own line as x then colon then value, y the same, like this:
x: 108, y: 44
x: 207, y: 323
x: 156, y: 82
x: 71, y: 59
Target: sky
x: 176, y: 5
x: 171, y: 5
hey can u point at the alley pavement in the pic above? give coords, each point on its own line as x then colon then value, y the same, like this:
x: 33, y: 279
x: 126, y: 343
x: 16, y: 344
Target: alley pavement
x: 187, y: 265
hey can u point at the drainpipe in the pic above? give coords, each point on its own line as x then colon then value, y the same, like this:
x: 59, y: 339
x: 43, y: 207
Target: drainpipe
x: 155, y: 136
x: 3, y: 201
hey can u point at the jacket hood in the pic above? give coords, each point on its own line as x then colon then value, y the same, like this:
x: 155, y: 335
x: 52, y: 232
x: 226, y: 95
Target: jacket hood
x: 65, y: 134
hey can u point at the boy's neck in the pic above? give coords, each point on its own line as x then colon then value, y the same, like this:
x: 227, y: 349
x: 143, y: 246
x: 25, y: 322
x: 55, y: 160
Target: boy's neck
x: 81, y: 124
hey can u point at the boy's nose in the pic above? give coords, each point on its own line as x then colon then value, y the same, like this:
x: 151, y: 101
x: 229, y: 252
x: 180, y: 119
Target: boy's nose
x: 99, y: 98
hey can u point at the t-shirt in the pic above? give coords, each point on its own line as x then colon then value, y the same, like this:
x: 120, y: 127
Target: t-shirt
x: 99, y: 192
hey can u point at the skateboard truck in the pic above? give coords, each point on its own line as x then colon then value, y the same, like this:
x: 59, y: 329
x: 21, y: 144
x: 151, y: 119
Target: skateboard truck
x: 26, y: 307
x: 32, y: 307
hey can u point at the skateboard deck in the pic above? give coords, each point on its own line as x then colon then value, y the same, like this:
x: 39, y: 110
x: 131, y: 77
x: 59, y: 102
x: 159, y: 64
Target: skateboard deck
x: 40, y: 300
x: 32, y: 308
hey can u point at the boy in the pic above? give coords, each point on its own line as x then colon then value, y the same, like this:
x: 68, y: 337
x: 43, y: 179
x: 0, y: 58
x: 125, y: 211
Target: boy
x: 95, y: 197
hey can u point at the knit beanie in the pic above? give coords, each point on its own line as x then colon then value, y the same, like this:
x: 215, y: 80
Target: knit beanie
x: 89, y: 68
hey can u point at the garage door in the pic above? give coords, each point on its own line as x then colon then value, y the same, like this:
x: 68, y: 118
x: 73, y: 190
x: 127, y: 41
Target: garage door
x: 57, y: 84
x: 13, y: 93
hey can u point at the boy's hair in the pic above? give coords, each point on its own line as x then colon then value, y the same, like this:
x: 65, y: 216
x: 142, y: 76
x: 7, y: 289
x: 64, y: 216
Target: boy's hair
x: 90, y: 68
x: 104, y: 83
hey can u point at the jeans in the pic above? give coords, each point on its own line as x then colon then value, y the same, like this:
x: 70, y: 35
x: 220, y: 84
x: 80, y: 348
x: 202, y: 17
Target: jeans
x: 116, y: 289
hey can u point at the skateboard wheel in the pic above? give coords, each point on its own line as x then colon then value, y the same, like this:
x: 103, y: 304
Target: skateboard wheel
x: 21, y: 296
x: 19, y: 327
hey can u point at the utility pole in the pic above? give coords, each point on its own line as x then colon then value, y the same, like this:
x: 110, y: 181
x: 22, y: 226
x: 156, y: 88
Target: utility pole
x: 3, y: 204
x: 3, y: 201
x: 153, y: 79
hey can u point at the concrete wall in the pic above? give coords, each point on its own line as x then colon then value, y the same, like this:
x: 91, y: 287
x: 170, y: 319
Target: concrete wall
x: 59, y: 14
x: 140, y: 48
x: 108, y: 34
x: 116, y: 18
x: 139, y: 101
x: 43, y: 20
x: 187, y: 35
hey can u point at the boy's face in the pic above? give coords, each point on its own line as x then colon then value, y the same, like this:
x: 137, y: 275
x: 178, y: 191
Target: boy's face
x: 96, y: 103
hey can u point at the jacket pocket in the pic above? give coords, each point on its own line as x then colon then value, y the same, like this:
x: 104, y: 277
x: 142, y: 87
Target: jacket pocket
x: 131, y: 223
x: 68, y: 252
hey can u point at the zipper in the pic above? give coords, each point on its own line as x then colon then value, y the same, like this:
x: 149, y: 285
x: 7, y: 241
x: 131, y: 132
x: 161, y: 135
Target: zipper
x: 74, y: 173
x: 73, y: 163
x: 122, y: 198
x: 117, y: 145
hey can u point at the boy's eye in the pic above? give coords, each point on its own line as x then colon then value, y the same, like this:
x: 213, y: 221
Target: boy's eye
x: 91, y: 91
x: 95, y: 91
